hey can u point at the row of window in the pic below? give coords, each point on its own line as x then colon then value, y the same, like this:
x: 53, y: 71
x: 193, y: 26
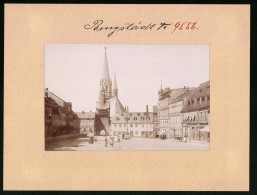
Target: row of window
x: 138, y: 114
x: 135, y: 118
x: 199, y: 116
x: 133, y: 125
x: 86, y: 123
x: 138, y: 133
x: 198, y: 100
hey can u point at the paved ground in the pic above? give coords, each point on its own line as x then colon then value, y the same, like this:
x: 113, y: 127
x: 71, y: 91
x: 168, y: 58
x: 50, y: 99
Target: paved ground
x: 131, y: 144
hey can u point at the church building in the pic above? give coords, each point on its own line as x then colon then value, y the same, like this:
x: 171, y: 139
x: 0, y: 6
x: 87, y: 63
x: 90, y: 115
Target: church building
x: 108, y: 104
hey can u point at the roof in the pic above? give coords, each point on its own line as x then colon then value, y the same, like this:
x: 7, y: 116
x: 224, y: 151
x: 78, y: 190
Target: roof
x: 202, y: 91
x: 88, y: 115
x: 57, y: 99
x: 115, y: 106
x: 175, y: 93
x: 57, y: 109
x: 179, y: 94
x: 133, y: 117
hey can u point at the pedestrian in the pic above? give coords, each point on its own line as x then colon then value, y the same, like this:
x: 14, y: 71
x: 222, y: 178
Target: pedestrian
x: 91, y: 135
x: 111, y: 141
x: 106, y: 141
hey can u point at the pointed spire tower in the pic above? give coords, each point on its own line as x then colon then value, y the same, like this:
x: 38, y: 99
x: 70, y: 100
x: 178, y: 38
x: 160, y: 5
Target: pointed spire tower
x: 105, y: 74
x: 105, y: 82
x: 115, y: 87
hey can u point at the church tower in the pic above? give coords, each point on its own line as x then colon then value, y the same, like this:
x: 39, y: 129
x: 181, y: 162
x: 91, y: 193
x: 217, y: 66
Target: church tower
x: 115, y: 88
x: 108, y: 103
x: 105, y: 82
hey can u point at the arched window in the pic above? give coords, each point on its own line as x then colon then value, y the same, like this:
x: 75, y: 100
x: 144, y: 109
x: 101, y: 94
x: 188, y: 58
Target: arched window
x: 117, y: 119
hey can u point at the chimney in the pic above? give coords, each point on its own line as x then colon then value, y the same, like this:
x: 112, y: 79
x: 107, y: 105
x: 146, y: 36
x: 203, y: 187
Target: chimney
x: 127, y: 109
x: 146, y: 108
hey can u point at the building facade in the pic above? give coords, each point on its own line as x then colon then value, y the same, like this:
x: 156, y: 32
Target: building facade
x: 169, y: 107
x: 163, y: 111
x: 137, y: 124
x: 59, y: 117
x: 87, y: 122
x: 195, y: 113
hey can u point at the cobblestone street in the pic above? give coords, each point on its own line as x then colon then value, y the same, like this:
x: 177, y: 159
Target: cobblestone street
x: 130, y: 144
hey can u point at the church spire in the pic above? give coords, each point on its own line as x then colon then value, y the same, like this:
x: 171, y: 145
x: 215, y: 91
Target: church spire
x: 115, y: 87
x: 115, y: 83
x: 105, y: 82
x: 105, y: 75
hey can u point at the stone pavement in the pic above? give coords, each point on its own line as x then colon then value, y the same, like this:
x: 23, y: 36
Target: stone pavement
x: 132, y: 144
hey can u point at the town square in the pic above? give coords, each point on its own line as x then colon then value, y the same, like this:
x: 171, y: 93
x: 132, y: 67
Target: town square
x: 178, y: 118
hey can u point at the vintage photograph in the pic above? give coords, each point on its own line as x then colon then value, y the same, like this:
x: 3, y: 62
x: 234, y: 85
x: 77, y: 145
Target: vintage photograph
x: 127, y: 97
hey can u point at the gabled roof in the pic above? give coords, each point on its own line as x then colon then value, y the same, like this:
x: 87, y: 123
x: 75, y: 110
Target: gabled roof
x: 115, y: 106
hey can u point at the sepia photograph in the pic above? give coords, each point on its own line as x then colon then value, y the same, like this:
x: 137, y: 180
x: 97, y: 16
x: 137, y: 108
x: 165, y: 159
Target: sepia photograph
x: 127, y: 97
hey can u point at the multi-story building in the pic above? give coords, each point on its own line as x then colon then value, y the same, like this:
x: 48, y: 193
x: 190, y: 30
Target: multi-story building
x: 195, y: 113
x: 167, y: 101
x: 138, y: 124
x: 87, y: 122
x: 59, y: 117
x: 163, y: 111
x: 175, y: 116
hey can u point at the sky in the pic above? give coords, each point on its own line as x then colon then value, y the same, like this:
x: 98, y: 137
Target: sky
x: 73, y: 71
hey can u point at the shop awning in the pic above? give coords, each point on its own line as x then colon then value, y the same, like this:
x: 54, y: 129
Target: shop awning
x: 161, y: 132
x: 205, y: 129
